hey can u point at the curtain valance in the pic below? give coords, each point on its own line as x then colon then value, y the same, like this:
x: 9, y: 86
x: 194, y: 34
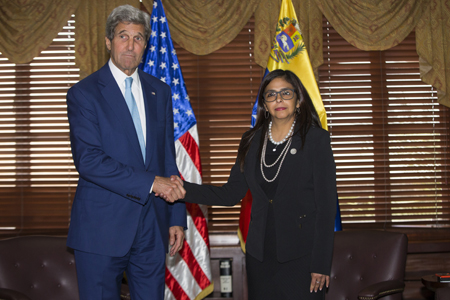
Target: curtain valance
x: 203, y: 26
x: 28, y: 27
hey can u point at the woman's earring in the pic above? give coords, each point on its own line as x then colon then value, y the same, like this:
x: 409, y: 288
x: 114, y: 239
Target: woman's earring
x: 266, y: 114
x: 298, y: 110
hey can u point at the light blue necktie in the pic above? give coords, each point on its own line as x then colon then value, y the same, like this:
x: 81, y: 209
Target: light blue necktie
x: 129, y: 98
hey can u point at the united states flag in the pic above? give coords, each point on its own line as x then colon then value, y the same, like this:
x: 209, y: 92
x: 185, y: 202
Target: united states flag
x: 188, y: 274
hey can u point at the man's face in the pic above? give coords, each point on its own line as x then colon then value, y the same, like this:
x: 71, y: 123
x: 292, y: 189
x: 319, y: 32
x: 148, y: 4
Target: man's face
x: 127, y: 46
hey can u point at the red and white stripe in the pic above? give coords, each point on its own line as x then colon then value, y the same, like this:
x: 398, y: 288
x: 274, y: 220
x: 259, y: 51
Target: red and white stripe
x: 188, y: 273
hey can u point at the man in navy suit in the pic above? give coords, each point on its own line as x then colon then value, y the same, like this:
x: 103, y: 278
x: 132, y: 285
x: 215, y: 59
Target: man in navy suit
x: 121, y: 131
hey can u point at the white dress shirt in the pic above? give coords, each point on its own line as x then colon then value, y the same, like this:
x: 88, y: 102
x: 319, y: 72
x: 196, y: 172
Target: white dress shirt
x: 136, y: 89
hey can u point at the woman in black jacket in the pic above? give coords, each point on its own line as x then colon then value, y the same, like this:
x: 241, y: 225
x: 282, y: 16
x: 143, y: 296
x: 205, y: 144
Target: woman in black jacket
x: 287, y: 163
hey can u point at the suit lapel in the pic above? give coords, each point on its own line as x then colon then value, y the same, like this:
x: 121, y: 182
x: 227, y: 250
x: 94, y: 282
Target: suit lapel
x: 151, y: 109
x: 252, y: 166
x: 114, y: 98
x: 290, y: 163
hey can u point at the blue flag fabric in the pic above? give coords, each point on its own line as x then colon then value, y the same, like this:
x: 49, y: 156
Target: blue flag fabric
x: 337, y: 220
x: 188, y: 273
x: 161, y: 61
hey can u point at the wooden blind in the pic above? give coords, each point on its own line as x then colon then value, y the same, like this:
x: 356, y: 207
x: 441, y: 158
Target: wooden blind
x: 37, y: 176
x: 223, y: 87
x: 390, y: 137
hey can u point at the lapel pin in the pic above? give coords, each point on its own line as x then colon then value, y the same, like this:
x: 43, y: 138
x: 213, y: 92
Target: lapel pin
x: 293, y: 151
x: 153, y: 93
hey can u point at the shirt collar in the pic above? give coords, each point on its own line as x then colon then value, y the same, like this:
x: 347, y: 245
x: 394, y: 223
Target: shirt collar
x: 120, y: 76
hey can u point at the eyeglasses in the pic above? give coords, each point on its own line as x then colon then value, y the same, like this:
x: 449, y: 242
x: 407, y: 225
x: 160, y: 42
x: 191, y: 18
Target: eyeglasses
x: 286, y: 94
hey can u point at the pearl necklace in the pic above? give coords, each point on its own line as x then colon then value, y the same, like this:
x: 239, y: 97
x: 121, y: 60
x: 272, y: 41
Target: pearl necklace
x: 282, y: 155
x: 283, y: 140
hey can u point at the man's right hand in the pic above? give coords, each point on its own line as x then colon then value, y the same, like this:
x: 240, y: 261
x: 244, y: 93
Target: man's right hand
x: 169, y: 189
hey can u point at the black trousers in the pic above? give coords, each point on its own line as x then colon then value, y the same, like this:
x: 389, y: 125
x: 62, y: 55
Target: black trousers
x: 272, y: 280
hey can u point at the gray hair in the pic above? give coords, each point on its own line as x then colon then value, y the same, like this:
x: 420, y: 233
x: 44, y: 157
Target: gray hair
x: 127, y: 14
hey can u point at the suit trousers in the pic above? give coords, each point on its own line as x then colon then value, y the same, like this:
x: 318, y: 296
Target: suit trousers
x: 100, y: 276
x: 270, y: 279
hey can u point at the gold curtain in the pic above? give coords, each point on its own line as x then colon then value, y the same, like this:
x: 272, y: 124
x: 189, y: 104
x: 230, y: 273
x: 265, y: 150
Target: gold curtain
x: 432, y: 43
x: 90, y: 21
x: 203, y: 26
x: 382, y: 24
x: 27, y: 27
x: 373, y: 25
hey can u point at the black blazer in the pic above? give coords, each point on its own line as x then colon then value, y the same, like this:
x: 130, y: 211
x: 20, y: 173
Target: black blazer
x: 304, y: 204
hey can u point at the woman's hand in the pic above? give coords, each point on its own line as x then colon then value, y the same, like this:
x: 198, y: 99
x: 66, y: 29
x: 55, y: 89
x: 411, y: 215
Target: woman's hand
x: 317, y: 282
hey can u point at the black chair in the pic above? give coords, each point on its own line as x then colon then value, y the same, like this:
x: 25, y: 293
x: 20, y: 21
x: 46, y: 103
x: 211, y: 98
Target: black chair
x: 368, y: 265
x: 39, y: 268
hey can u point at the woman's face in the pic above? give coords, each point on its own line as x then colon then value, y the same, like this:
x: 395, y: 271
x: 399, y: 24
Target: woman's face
x: 277, y: 102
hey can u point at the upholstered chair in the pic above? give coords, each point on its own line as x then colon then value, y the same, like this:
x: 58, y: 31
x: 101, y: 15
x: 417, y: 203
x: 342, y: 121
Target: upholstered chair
x: 368, y: 265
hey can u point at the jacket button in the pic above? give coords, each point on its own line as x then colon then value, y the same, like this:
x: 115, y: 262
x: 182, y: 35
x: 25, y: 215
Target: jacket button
x: 270, y: 201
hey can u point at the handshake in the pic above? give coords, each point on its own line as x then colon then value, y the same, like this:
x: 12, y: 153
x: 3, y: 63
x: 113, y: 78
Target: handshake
x: 170, y: 189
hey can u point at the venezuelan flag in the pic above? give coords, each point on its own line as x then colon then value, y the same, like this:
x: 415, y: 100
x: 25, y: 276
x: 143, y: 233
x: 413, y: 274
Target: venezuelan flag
x: 288, y: 53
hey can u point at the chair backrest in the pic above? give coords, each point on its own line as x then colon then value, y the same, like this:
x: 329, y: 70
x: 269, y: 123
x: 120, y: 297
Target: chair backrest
x: 363, y: 258
x: 41, y: 267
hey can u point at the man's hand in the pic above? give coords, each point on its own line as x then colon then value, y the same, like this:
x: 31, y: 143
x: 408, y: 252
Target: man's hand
x: 176, y: 238
x: 177, y: 178
x: 170, y: 189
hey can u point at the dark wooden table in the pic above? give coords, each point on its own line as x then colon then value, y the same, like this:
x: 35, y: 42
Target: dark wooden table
x: 431, y: 282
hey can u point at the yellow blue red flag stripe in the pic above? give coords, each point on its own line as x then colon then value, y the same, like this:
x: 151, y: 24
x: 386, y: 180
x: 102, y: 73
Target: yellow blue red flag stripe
x: 288, y: 53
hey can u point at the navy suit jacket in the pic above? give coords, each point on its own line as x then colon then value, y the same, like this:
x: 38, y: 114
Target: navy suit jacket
x: 304, y: 204
x: 114, y: 182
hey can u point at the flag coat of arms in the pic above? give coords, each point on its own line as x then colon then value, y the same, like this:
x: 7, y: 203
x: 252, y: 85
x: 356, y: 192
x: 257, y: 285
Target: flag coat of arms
x: 188, y: 273
x: 288, y: 53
